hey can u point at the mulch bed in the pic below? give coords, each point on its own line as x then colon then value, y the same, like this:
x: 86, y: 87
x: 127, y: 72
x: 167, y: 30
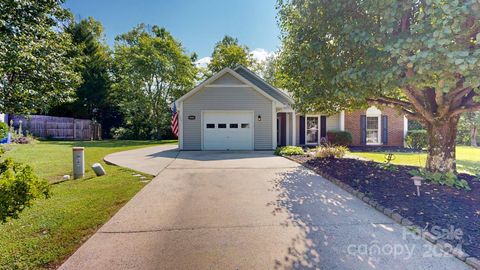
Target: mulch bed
x: 438, y: 205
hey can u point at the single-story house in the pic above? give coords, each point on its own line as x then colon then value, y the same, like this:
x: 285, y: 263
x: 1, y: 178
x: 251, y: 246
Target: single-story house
x: 237, y: 110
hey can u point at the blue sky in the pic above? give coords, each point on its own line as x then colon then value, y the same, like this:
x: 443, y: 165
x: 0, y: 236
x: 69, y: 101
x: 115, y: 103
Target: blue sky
x: 197, y: 24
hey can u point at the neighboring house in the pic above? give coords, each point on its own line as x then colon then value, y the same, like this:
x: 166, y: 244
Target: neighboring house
x: 237, y: 110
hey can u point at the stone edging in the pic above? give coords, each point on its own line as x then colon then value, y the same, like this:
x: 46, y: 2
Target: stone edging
x: 471, y: 261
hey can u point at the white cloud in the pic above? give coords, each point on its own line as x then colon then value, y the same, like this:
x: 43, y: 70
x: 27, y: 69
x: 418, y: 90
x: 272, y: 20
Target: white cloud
x: 259, y: 54
x: 203, y: 62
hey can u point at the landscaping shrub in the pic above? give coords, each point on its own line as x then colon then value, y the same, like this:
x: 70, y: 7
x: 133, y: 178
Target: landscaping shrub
x: 417, y: 139
x: 122, y: 133
x: 21, y: 139
x: 339, y: 137
x: 19, y: 186
x: 289, y: 151
x: 330, y: 151
x: 3, y: 130
x: 449, y: 179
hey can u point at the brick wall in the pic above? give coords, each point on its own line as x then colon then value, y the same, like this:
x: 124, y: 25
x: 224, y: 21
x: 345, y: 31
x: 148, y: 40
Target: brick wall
x: 395, y: 125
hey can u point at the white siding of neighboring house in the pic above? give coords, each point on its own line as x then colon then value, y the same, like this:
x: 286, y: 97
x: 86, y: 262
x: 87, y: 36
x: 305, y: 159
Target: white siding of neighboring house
x: 2, y: 117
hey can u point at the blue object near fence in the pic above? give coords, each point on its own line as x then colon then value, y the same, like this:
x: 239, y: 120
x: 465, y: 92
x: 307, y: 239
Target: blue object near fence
x: 6, y: 140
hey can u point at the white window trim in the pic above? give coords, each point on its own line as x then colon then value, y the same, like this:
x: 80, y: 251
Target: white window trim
x: 375, y: 112
x: 379, y: 117
x: 319, y: 129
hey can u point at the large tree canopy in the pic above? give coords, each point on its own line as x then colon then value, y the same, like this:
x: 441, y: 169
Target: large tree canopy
x: 95, y: 67
x: 229, y: 53
x: 151, y: 70
x: 34, y: 68
x: 422, y: 57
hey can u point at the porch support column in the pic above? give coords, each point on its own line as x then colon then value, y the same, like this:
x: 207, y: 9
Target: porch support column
x: 287, y: 129
x: 294, y: 128
x: 274, y: 126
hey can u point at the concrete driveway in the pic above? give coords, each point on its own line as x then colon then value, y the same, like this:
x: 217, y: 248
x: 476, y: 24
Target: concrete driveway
x: 246, y: 210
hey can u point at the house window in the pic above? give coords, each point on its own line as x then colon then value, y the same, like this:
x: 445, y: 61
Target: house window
x: 373, y: 130
x: 312, y: 129
x: 210, y: 125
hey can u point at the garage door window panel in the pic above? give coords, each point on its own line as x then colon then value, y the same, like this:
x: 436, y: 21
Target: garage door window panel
x: 222, y: 125
x: 233, y: 125
x: 210, y: 125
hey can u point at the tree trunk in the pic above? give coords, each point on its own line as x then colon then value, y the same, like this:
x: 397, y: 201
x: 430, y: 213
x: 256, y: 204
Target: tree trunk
x: 441, y: 149
x: 473, y: 136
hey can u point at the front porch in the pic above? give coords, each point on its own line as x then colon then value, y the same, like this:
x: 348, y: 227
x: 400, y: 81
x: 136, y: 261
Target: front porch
x: 305, y: 130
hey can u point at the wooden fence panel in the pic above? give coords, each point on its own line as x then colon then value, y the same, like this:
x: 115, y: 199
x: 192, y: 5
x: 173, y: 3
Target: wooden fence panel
x: 64, y: 128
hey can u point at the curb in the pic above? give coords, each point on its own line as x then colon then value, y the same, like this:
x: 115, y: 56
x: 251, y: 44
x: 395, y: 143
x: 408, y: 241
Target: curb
x: 471, y: 261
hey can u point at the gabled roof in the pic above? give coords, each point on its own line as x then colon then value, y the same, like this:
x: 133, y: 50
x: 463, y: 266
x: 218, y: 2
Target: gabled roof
x: 262, y: 84
x: 248, y: 77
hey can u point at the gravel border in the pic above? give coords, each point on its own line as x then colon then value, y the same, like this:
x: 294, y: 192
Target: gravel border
x: 471, y: 261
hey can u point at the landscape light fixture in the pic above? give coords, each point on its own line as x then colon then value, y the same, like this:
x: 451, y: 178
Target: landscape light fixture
x: 417, y: 181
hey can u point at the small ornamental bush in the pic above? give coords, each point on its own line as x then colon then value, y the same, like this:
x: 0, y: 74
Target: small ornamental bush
x: 339, y: 138
x: 3, y: 130
x: 417, y: 139
x: 449, y: 179
x: 289, y: 151
x: 19, y: 186
x: 330, y: 151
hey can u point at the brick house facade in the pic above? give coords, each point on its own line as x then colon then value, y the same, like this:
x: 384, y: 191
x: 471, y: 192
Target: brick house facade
x: 396, y: 126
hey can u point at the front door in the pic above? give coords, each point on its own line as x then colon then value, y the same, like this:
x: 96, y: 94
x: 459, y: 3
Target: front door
x: 312, y: 129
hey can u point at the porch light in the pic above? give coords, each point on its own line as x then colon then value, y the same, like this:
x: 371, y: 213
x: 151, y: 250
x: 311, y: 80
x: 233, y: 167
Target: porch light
x: 417, y: 181
x: 259, y: 118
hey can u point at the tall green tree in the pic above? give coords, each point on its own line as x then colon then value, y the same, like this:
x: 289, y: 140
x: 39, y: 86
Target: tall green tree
x: 468, y: 128
x: 95, y: 67
x: 152, y: 69
x: 422, y: 57
x: 229, y: 53
x: 35, y: 70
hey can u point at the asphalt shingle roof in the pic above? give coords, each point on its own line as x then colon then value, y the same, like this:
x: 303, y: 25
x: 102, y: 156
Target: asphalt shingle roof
x: 263, y: 85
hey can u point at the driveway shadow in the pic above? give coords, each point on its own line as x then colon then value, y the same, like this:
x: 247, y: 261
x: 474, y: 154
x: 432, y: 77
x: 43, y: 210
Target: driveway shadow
x: 341, y: 232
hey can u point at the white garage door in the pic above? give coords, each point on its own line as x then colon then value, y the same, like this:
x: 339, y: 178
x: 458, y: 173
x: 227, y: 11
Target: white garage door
x: 228, y: 130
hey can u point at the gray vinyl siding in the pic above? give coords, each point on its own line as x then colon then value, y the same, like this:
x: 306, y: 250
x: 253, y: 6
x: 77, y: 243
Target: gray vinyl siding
x: 227, y: 79
x: 227, y: 98
x: 262, y: 85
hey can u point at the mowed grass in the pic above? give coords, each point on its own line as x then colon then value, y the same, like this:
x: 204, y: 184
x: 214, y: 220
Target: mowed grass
x: 468, y: 158
x: 52, y: 229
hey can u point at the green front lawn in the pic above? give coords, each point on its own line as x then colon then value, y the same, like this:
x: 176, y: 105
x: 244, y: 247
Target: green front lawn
x: 52, y: 229
x: 468, y: 158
